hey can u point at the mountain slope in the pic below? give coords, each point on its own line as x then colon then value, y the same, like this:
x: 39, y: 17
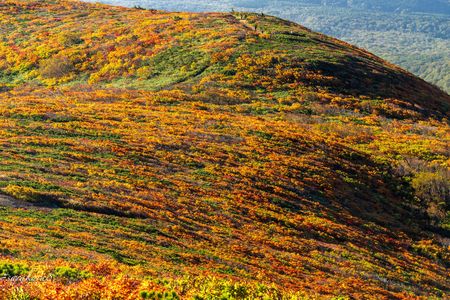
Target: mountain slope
x: 248, y: 153
x: 118, y: 46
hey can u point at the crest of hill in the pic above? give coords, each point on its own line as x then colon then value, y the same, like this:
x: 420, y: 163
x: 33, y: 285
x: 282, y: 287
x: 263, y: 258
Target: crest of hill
x: 68, y: 42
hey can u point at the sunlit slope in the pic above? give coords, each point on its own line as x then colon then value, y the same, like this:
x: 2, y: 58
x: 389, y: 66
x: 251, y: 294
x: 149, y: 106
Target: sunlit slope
x: 213, y: 156
x: 201, y: 188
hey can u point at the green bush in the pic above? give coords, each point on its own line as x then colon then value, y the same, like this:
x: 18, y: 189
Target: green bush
x: 153, y: 295
x: 433, y: 190
x: 10, y: 270
x: 56, y: 67
x: 18, y: 294
x: 430, y: 183
x: 70, y: 38
x: 68, y: 274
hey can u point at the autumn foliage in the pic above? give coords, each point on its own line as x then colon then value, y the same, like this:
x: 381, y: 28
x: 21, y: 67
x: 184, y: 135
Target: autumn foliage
x: 155, y: 155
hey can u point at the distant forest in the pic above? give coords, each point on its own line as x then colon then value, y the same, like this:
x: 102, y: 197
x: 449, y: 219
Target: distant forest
x: 414, y: 34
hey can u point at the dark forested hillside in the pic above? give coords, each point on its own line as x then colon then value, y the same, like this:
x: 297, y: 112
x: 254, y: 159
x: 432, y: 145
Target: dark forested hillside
x: 422, y: 6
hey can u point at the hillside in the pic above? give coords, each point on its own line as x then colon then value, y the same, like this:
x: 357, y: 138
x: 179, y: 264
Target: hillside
x: 412, y: 34
x: 156, y: 155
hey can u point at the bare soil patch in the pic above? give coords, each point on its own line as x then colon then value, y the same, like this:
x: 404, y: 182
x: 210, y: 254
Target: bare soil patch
x: 12, y: 202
